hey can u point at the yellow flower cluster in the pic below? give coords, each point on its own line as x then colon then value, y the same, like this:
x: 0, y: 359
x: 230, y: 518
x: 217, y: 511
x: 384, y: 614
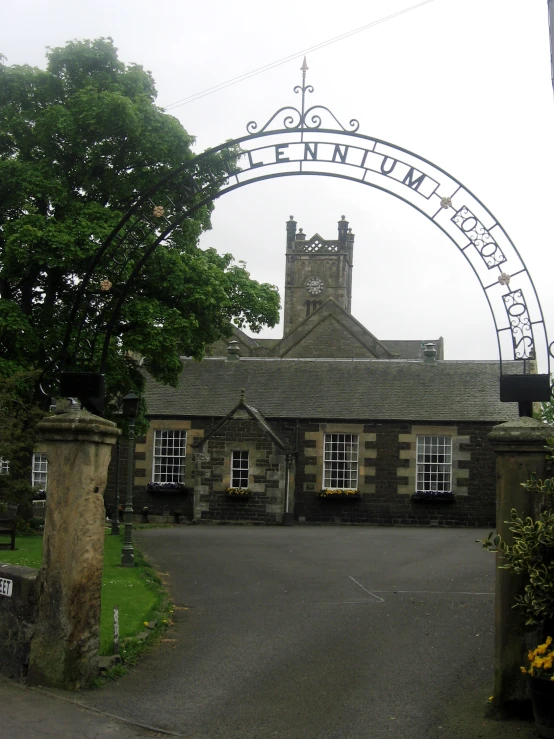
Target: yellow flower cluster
x: 338, y: 491
x: 238, y: 491
x: 541, y: 661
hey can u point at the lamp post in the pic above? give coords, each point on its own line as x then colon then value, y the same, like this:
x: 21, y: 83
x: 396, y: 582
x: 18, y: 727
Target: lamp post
x: 130, y: 410
x: 288, y: 517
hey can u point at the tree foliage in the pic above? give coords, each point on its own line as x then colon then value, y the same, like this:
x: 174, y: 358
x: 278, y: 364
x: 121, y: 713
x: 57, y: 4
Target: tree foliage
x: 546, y: 413
x: 18, y: 417
x: 79, y: 142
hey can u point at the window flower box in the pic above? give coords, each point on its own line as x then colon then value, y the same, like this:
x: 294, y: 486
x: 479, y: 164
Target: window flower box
x: 339, y: 494
x: 162, y: 488
x: 433, y: 496
x: 238, y: 492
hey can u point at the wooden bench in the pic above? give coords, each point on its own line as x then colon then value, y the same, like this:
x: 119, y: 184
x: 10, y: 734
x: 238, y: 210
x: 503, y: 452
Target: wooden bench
x: 7, y: 525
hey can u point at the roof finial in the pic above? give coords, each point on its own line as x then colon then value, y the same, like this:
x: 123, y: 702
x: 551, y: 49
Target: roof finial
x: 242, y: 395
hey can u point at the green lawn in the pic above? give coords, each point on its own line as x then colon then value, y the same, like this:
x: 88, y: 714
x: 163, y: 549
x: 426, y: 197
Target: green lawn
x: 135, y: 590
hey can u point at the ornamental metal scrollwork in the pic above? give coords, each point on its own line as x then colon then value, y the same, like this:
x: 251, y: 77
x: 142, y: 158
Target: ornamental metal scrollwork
x: 520, y: 325
x: 167, y: 205
x: 480, y: 237
x: 296, y: 120
x: 303, y: 120
x: 551, y: 352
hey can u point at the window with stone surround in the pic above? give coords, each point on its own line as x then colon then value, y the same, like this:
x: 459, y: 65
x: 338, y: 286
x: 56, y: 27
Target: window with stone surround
x: 340, y: 462
x: 239, y: 469
x: 169, y: 455
x: 39, y: 477
x: 434, y: 464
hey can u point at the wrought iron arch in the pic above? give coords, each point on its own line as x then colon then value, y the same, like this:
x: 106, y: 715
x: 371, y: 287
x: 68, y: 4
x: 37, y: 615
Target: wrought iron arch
x: 295, y: 142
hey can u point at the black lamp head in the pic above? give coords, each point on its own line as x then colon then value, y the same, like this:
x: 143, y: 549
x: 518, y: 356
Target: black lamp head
x: 130, y: 405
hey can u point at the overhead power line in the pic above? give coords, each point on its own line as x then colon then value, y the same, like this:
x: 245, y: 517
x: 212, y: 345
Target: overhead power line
x: 296, y: 55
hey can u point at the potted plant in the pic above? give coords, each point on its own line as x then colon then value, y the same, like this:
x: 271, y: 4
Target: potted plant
x: 541, y: 681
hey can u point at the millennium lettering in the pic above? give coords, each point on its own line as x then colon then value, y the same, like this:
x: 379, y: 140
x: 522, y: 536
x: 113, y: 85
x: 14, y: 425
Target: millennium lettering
x: 353, y: 156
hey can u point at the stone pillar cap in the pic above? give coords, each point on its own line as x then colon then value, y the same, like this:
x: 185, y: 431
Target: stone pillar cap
x: 523, y: 429
x: 77, y: 424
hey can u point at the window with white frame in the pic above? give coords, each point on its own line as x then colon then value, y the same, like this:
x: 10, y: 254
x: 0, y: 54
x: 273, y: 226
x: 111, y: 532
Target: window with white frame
x: 39, y: 478
x: 4, y: 466
x: 169, y: 455
x: 239, y: 469
x: 340, y: 462
x: 434, y: 464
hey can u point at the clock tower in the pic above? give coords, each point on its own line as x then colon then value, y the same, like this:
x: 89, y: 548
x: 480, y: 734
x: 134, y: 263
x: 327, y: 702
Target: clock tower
x: 317, y: 269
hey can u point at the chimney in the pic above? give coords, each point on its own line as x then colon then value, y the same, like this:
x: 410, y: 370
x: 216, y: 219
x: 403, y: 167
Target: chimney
x: 430, y: 353
x: 233, y: 351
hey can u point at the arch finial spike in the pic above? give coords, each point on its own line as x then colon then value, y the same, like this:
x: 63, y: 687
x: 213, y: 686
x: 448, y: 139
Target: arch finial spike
x: 304, y: 68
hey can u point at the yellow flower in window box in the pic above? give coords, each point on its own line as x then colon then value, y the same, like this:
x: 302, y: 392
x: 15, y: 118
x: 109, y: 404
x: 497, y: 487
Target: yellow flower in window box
x: 338, y: 493
x: 238, y: 492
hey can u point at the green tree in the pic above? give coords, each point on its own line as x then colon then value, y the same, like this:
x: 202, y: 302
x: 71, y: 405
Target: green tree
x: 79, y: 143
x: 19, y: 414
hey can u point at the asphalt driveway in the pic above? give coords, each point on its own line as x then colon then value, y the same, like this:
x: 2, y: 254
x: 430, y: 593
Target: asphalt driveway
x: 318, y: 633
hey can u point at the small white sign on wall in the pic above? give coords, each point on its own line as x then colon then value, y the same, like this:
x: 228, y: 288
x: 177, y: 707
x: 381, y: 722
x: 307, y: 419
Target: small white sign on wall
x: 6, y: 587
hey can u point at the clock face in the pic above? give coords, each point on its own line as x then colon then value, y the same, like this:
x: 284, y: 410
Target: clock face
x: 314, y: 285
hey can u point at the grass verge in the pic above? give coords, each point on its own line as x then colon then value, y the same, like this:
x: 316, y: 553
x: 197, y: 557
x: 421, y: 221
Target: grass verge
x: 137, y: 591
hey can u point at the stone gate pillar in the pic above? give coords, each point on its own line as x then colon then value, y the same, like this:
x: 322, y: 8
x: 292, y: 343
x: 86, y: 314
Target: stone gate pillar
x: 64, y: 649
x: 520, y: 450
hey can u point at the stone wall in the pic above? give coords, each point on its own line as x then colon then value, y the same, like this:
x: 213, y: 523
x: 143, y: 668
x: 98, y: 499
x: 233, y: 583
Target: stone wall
x: 386, y: 475
x: 18, y: 614
x: 159, y: 504
x: 265, y: 503
x: 386, y: 494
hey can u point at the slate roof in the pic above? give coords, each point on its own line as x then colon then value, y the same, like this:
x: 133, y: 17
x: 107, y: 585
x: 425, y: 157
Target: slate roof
x: 341, y: 389
x: 268, y: 343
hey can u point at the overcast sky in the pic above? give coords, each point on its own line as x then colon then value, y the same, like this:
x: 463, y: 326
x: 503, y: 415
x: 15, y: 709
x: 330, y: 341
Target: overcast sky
x: 463, y: 84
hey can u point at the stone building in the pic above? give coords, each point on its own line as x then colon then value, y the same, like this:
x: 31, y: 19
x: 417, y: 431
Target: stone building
x: 328, y: 424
